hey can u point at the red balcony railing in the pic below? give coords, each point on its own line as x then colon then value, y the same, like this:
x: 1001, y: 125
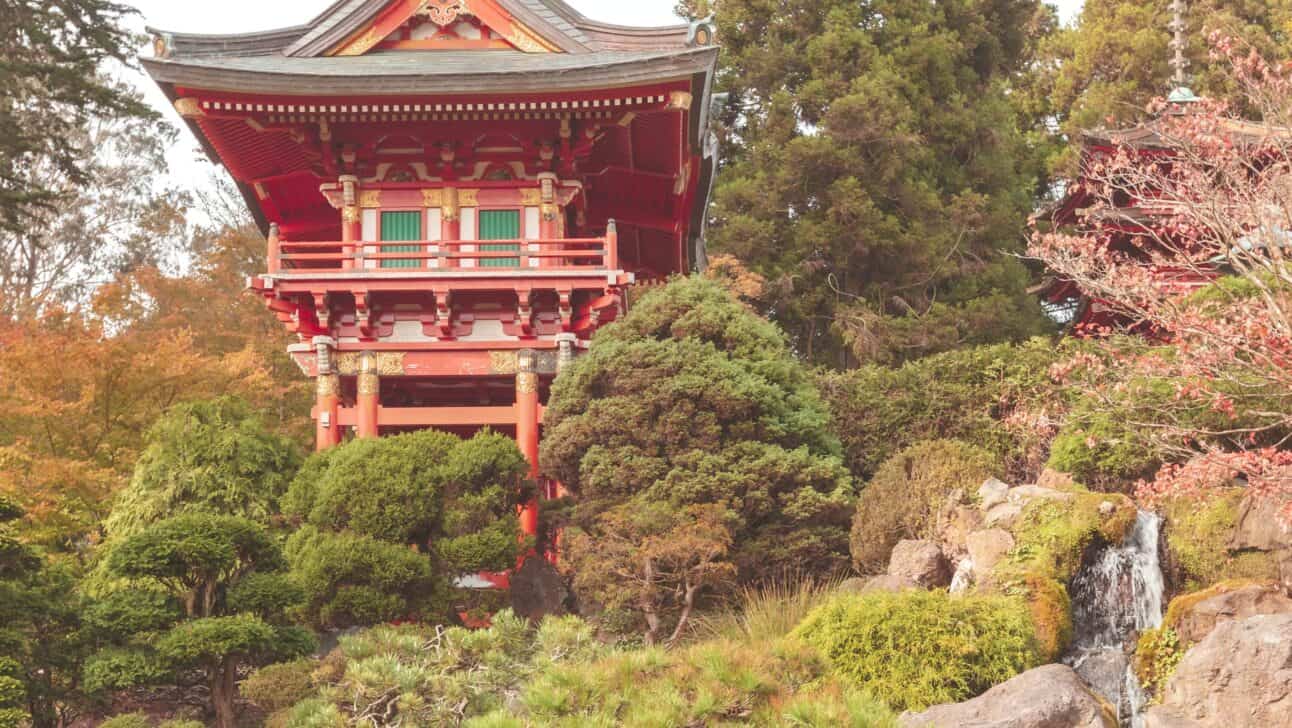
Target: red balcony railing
x: 453, y: 257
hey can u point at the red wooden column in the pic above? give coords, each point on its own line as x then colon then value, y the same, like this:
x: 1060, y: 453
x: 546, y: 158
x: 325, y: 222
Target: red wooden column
x: 527, y: 430
x: 450, y: 221
x: 369, y: 401
x: 351, y: 219
x: 328, y: 431
x: 550, y: 221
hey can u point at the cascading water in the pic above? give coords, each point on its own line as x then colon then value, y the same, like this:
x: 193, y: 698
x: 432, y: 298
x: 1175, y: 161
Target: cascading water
x: 1118, y: 594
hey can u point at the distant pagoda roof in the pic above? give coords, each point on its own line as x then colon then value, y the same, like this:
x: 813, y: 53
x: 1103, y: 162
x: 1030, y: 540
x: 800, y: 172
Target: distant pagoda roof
x: 541, y: 45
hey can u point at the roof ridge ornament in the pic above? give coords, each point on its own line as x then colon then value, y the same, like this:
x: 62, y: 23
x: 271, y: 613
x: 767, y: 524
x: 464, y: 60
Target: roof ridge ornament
x: 443, y: 12
x: 1179, y: 44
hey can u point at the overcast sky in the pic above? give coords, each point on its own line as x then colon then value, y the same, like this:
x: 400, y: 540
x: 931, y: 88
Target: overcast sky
x: 240, y: 16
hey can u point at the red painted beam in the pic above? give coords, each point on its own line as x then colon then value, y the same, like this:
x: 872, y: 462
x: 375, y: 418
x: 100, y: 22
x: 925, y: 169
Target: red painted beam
x: 437, y: 416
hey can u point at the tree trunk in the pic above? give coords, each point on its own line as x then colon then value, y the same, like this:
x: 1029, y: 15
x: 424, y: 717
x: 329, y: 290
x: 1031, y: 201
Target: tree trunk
x: 648, y: 606
x: 223, y: 691
x: 688, y: 604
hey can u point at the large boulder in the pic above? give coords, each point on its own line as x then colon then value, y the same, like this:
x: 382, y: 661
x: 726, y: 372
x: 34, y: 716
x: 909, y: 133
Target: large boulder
x: 1047, y: 697
x: 1024, y: 494
x: 992, y: 493
x: 1261, y: 526
x: 1240, y: 676
x: 987, y: 548
x: 921, y: 562
x: 887, y: 583
x: 1196, y: 617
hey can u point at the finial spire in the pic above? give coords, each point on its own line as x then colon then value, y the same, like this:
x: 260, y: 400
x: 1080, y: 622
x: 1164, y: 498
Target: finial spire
x: 1178, y: 43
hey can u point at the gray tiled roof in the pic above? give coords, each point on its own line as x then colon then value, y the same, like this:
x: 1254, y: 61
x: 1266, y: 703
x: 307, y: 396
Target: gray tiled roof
x: 380, y: 73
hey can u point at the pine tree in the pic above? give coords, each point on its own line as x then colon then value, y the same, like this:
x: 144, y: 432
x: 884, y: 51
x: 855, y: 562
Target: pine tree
x: 878, y: 172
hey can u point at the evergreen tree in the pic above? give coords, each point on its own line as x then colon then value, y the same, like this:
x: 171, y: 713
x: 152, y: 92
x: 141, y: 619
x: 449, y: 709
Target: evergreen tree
x: 52, y: 57
x: 879, y: 174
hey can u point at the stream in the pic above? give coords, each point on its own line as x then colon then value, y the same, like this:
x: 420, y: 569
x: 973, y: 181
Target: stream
x: 1116, y: 595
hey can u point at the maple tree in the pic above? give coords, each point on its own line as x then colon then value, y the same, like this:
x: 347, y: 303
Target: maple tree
x: 1207, y: 275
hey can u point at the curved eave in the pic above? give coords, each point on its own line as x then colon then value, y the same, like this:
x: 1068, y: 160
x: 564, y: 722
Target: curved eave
x: 382, y: 74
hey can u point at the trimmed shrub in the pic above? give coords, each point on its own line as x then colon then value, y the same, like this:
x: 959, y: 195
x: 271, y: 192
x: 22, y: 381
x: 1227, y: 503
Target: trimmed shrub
x: 918, y: 649
x: 903, y: 499
x: 127, y: 720
x: 133, y: 612
x: 351, y: 579
x: 278, y: 687
x: 996, y: 397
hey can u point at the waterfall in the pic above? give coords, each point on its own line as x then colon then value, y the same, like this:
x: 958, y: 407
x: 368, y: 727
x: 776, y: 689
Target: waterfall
x: 1115, y: 596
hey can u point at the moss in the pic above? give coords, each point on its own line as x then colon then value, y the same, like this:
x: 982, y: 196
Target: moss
x: 1051, y: 609
x: 1157, y: 654
x: 1183, y: 605
x: 917, y: 649
x: 1198, y: 534
x: 1053, y: 536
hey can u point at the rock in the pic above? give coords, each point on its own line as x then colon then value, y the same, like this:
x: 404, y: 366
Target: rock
x: 1024, y: 494
x: 956, y: 525
x: 1104, y: 670
x: 987, y: 548
x: 1054, y: 480
x: 1003, y: 515
x: 1047, y: 697
x: 888, y: 583
x: 1260, y: 526
x: 1239, y: 676
x: 921, y: 562
x: 855, y: 585
x: 992, y: 493
x: 1285, y: 570
x: 1199, y: 619
x: 1107, y: 508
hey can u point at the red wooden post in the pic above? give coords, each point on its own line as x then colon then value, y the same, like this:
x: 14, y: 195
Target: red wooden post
x: 527, y: 431
x: 275, y: 253
x: 369, y: 401
x: 450, y: 222
x: 351, y: 220
x: 612, y: 246
x: 328, y: 430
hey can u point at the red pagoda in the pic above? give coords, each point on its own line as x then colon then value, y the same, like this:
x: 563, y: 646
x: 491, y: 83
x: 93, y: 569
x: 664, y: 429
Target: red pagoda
x: 456, y: 193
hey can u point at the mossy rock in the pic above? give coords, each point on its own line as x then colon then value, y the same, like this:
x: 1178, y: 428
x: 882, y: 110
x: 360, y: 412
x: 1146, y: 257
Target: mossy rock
x: 1157, y: 654
x: 1053, y: 536
x: 1181, y: 606
x: 1198, y: 532
x: 1051, y: 609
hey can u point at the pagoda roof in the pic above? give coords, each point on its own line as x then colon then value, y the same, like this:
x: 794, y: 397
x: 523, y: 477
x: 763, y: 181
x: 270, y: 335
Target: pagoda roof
x: 1156, y: 134
x: 443, y: 72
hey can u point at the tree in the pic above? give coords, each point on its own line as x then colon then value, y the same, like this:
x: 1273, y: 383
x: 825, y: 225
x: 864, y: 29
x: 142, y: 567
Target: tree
x: 113, y: 217
x: 54, y: 53
x: 79, y: 399
x: 1105, y: 70
x: 214, y: 455
x: 227, y: 573
x: 366, y: 503
x: 655, y: 559
x: 1221, y: 208
x: 879, y: 175
x: 692, y: 400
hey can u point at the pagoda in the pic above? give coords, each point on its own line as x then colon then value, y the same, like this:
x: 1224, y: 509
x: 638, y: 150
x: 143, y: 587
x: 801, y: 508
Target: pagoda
x: 456, y: 194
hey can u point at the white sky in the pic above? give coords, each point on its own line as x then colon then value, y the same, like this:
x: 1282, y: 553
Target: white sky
x: 188, y: 166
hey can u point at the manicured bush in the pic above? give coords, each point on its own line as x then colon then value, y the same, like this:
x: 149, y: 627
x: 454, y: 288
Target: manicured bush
x: 127, y: 720
x: 1198, y: 531
x: 132, y: 612
x: 917, y: 648
x: 280, y: 686
x: 903, y: 499
x: 1000, y: 398
x: 389, y: 522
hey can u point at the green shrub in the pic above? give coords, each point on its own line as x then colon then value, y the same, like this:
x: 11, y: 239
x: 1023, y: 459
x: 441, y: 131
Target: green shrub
x: 903, y: 499
x: 127, y: 720
x: 278, y: 687
x: 13, y: 718
x: 315, y: 713
x: 351, y: 579
x: 265, y: 594
x: 713, y: 683
x: 1198, y: 531
x: 178, y: 723
x: 133, y: 612
x: 117, y: 668
x: 970, y: 395
x: 918, y: 648
x: 12, y: 693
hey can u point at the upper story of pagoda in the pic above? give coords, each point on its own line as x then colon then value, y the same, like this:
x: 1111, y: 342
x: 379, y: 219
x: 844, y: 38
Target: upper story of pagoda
x: 444, y: 123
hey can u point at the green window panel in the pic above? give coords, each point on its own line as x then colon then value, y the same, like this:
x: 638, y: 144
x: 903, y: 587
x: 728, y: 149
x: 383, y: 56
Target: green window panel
x: 398, y: 226
x: 500, y: 225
